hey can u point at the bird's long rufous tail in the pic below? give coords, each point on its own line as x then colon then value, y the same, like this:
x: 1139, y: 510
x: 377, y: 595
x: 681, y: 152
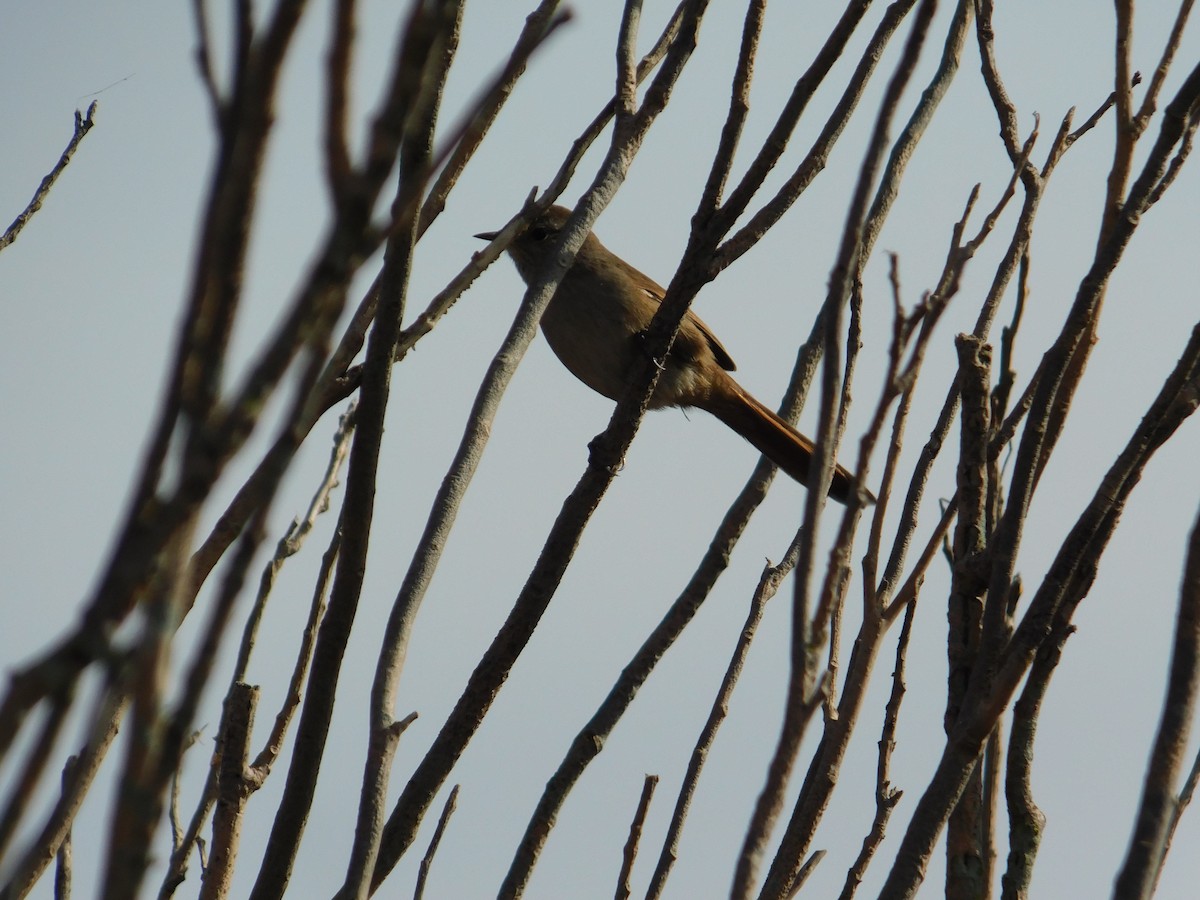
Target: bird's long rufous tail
x: 772, y: 436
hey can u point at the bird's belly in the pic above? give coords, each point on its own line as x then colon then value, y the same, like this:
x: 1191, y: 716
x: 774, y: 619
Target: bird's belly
x: 593, y: 343
x: 599, y: 347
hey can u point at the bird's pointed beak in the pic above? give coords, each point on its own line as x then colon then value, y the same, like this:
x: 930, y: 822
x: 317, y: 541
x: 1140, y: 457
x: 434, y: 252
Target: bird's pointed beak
x: 487, y: 235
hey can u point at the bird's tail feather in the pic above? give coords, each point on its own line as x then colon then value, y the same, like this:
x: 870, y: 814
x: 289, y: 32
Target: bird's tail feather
x: 773, y: 437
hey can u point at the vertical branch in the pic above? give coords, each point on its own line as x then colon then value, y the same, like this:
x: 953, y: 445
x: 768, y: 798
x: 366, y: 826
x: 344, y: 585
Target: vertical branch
x: 233, y: 749
x: 886, y: 794
x: 204, y: 64
x: 1025, y: 820
x: 427, y: 859
x: 63, y: 859
x: 1122, y: 165
x: 739, y: 107
x: 1148, y: 844
x: 337, y: 78
x: 629, y: 854
x: 965, y: 856
x: 625, y: 93
x: 416, y: 154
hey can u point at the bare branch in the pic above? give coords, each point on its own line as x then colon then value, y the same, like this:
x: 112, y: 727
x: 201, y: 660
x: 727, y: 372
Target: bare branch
x: 337, y: 77
x: 635, y: 834
x: 57, y: 828
x: 233, y: 747
x: 63, y: 859
x: 427, y: 859
x: 1158, y: 79
x: 886, y: 795
x: 1025, y: 820
x: 83, y: 124
x: 814, y: 161
x: 739, y: 107
x: 204, y: 61
x: 1070, y: 574
x: 1148, y: 843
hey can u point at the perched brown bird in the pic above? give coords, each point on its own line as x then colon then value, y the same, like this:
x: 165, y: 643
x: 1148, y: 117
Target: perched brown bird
x: 594, y: 323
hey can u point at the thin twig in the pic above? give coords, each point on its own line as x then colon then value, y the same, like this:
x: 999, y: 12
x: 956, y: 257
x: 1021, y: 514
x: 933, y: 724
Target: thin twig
x: 629, y: 854
x: 204, y: 60
x: 818, y: 155
x: 57, y: 827
x: 1185, y: 798
x: 83, y: 124
x: 1159, y: 78
x: 802, y: 872
x: 886, y: 795
x: 1177, y: 161
x: 427, y: 859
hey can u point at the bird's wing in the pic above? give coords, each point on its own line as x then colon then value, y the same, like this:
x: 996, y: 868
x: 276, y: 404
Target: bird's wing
x: 656, y: 292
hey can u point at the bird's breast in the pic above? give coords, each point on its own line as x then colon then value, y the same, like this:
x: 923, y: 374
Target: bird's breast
x: 593, y: 337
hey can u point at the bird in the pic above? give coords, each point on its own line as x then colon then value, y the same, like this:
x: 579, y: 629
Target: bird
x: 595, y: 324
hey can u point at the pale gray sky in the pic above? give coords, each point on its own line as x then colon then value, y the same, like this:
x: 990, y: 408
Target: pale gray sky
x: 92, y: 292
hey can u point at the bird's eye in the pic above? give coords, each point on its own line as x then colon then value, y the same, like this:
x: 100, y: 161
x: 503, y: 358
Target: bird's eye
x: 540, y: 232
